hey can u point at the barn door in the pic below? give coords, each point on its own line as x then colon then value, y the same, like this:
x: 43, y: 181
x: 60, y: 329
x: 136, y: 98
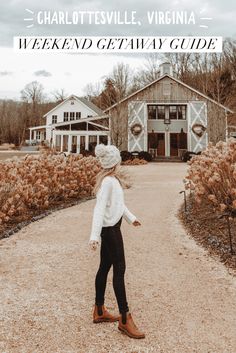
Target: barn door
x: 197, y: 125
x: 137, y: 121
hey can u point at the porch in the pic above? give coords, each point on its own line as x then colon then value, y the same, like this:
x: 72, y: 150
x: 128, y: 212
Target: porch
x: 37, y: 133
x: 80, y: 136
x: 78, y: 141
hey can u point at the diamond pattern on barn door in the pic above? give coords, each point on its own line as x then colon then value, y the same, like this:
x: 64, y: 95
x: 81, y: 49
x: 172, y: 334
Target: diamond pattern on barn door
x: 137, y: 115
x: 197, y: 114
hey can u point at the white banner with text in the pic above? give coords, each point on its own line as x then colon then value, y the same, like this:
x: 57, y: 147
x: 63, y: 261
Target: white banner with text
x: 119, y: 44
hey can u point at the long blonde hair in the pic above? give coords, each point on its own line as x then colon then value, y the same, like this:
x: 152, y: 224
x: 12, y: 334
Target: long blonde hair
x: 116, y: 171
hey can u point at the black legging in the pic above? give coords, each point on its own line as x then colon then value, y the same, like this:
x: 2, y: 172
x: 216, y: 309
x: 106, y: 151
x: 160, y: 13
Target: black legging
x: 112, y: 253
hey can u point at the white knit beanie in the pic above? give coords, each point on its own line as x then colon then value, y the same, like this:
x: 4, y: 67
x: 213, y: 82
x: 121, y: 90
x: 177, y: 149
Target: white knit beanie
x: 108, y: 155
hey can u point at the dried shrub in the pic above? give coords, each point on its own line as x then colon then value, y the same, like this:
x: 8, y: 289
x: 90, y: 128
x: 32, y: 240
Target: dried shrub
x: 135, y: 161
x: 35, y: 182
x: 212, y: 176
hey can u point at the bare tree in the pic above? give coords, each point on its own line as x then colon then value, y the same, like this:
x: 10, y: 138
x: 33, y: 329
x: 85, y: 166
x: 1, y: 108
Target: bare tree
x: 149, y: 72
x: 92, y: 90
x: 59, y: 95
x: 32, y: 93
x: 119, y: 127
x: 121, y: 78
x: 32, y: 96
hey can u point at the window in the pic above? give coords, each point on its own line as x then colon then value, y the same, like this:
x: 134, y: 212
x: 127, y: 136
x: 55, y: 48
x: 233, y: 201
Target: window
x: 173, y: 112
x: 178, y: 112
x: 103, y: 139
x: 156, y: 112
x: 92, y: 143
x: 152, y: 111
x: 161, y: 112
x: 58, y: 143
x: 182, y: 112
x: 167, y: 112
x: 72, y: 115
x: 54, y: 119
x: 66, y: 116
x: 78, y: 115
x: 38, y: 135
x: 65, y: 139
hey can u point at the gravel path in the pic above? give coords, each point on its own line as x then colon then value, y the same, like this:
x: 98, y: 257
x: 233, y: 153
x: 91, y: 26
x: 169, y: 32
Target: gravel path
x: 182, y: 299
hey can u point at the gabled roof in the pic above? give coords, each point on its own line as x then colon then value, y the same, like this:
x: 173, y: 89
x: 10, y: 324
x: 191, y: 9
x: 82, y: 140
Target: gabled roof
x: 82, y: 100
x: 91, y: 105
x: 176, y: 80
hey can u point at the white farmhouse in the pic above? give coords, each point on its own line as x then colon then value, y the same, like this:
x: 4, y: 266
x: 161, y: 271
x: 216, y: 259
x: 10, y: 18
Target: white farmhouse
x: 74, y: 125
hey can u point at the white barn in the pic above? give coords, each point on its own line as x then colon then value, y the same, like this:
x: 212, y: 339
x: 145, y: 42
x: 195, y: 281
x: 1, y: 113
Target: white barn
x: 74, y: 125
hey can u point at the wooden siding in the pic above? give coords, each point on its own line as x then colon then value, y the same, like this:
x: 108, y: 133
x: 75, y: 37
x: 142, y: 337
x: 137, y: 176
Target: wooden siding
x: 157, y: 93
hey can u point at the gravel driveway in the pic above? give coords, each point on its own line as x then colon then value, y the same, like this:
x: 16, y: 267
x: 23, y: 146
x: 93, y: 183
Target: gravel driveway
x: 182, y: 299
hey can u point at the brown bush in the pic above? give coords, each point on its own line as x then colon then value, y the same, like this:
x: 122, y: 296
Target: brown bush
x: 135, y: 161
x: 212, y: 175
x: 35, y: 182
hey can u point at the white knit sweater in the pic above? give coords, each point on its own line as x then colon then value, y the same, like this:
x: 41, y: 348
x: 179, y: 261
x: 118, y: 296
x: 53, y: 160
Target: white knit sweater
x: 109, y: 207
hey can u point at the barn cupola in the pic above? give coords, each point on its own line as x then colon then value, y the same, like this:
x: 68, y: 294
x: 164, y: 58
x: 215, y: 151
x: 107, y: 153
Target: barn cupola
x: 166, y: 68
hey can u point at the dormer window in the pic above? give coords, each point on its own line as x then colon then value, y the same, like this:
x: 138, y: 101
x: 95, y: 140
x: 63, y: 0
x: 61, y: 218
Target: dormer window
x: 54, y: 119
x: 72, y: 115
x: 66, y: 116
x: 78, y: 115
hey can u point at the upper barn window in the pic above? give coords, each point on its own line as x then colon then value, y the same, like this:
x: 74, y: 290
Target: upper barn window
x: 152, y: 112
x: 181, y: 112
x: 172, y: 112
x: 161, y: 112
x: 177, y: 112
x: 156, y: 112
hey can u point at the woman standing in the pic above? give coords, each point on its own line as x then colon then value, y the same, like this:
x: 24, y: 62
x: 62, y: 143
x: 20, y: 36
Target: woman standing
x: 107, y: 217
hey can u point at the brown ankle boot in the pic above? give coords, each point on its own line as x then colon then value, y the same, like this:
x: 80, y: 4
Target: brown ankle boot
x: 128, y: 326
x: 101, y: 314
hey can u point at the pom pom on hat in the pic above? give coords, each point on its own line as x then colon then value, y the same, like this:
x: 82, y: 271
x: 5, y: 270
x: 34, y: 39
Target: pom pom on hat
x: 100, y: 150
x: 108, y: 155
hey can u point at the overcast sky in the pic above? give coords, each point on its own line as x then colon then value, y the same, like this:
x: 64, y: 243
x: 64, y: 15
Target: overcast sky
x: 73, y: 72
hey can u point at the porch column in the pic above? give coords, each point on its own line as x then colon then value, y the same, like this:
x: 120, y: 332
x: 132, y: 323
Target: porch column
x: 34, y: 135
x: 97, y: 139
x: 86, y: 142
x: 53, y: 139
x: 108, y: 139
x: 30, y: 135
x: 78, y: 144
x: 61, y: 143
x: 69, y: 143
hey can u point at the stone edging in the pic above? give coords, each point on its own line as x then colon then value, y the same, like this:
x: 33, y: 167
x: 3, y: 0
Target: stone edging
x: 19, y: 226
